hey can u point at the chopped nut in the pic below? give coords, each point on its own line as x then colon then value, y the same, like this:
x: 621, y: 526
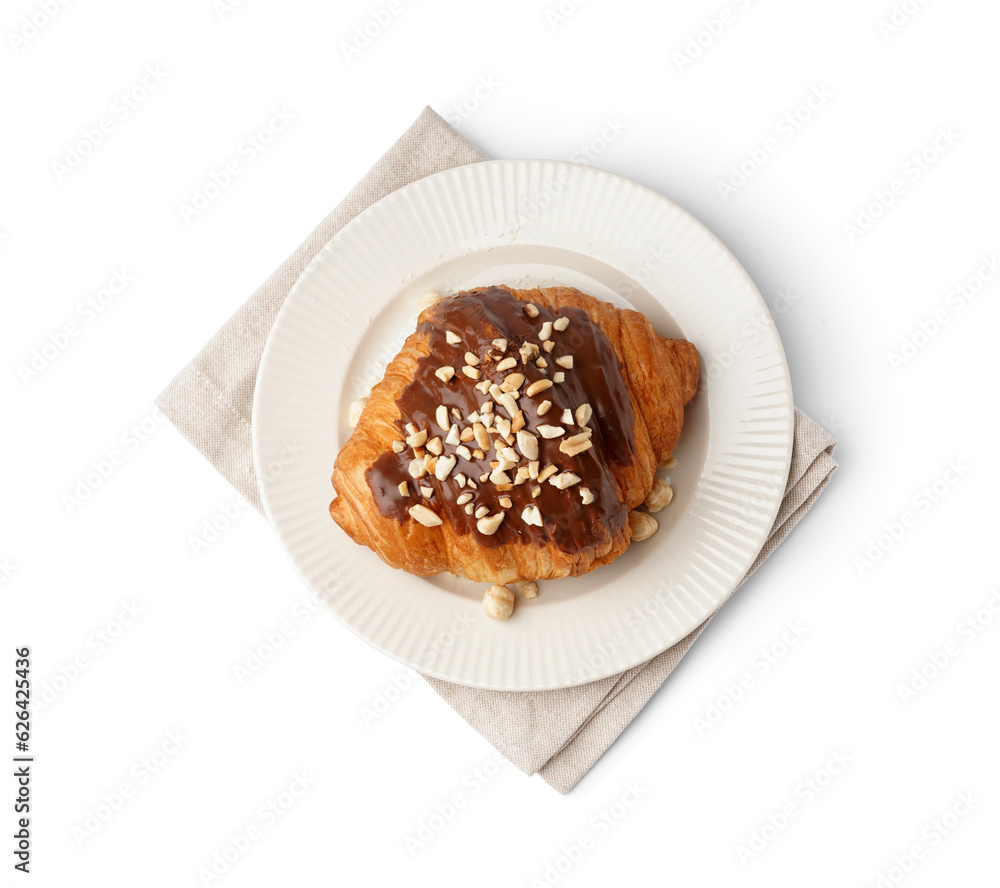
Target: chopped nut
x: 478, y: 454
x: 550, y: 431
x: 531, y: 515
x: 561, y: 324
x: 567, y: 417
x: 527, y: 352
x: 469, y: 508
x: 559, y: 376
x: 412, y: 428
x: 435, y: 446
x: 452, y: 338
x: 442, y: 417
x: 398, y: 446
x: 583, y: 414
x: 642, y: 525
x: 482, y: 436
x: 354, y: 411
x: 539, y: 385
x: 453, y: 437
x: 481, y: 511
x: 530, y: 310
x: 548, y: 346
x: 512, y: 382
x: 576, y: 444
x: 467, y: 434
x: 417, y: 439
x: 537, y: 492
x: 587, y: 495
x: 529, y: 590
x: 417, y: 468
x: 445, y: 373
x: 431, y: 297
x: 565, y: 361
x: 541, y: 363
x: 426, y: 492
x: 503, y: 426
x: 506, y: 400
x: 404, y: 488
x: 546, y: 473
x: 500, y: 344
x: 444, y: 466
x: 521, y: 476
x: 660, y: 496
x: 456, y: 414
x: 419, y: 452
x: 507, y: 364
x: 506, y: 502
x: 464, y: 498
x: 471, y: 372
x: 564, y: 480
x: 463, y: 451
x: 509, y: 453
x: 430, y: 463
x: 483, y: 386
x: 423, y: 515
x: 472, y: 484
x: 471, y: 359
x: 498, y: 602
x: 533, y: 469
x: 527, y: 443
x: 543, y: 408
x: 518, y: 422
x: 546, y: 332
x: 499, y: 476
x: 488, y: 524
x: 460, y: 479
x: 487, y: 407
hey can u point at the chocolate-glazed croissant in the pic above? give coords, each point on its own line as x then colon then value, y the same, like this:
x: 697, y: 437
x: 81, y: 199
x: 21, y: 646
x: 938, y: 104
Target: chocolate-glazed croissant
x: 512, y: 435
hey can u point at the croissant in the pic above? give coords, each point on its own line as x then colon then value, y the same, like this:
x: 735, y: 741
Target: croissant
x: 512, y: 435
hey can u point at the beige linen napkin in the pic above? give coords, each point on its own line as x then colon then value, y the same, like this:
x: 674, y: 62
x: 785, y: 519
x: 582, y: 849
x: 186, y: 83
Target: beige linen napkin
x: 557, y: 734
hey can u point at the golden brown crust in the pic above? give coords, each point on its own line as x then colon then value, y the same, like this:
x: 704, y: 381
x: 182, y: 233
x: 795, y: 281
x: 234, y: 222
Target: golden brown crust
x: 661, y: 376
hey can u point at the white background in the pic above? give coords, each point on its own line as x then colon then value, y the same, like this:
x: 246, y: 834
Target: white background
x: 552, y: 83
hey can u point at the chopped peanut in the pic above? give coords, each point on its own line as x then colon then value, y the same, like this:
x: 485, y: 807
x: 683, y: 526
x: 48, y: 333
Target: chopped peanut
x: 488, y: 524
x: 424, y: 516
x: 531, y: 515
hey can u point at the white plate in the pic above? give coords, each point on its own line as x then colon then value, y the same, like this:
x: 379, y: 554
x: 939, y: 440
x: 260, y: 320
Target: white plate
x: 527, y: 222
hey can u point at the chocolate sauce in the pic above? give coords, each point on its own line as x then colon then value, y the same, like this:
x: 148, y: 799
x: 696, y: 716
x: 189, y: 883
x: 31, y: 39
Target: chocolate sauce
x: 479, y: 317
